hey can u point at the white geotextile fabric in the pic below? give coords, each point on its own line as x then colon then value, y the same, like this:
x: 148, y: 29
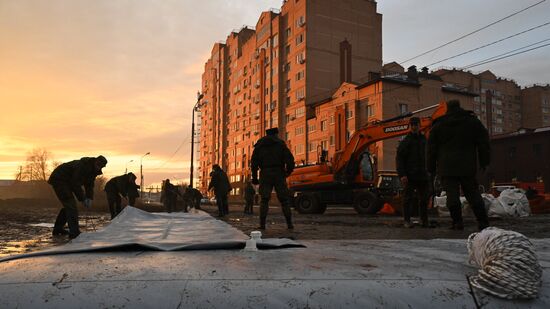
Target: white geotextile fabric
x: 409, y: 273
x: 194, y: 230
x: 510, y: 203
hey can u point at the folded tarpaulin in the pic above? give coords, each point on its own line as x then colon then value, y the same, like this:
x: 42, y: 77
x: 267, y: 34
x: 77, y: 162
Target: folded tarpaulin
x: 134, y: 228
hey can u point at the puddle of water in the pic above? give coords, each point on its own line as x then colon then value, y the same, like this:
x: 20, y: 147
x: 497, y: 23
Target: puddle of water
x: 48, y: 225
x: 29, y: 237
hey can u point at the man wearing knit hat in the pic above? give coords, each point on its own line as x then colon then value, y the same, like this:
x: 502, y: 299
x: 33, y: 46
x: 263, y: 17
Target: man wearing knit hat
x: 67, y: 181
x: 411, y: 167
x: 275, y: 162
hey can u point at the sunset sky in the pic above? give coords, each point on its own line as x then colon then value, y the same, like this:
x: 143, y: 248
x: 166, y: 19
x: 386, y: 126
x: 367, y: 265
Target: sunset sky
x: 119, y: 77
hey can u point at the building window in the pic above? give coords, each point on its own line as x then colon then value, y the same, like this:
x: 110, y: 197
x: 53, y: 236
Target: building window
x: 299, y: 131
x: 300, y: 94
x: 323, y: 125
x: 299, y: 39
x: 301, y: 58
x: 287, y: 49
x: 311, y: 146
x: 324, y: 145
x: 331, y: 140
x: 300, y: 112
x: 287, y: 85
x: 311, y: 128
x: 370, y: 110
x: 349, y: 114
x: 300, y: 21
x: 403, y: 109
x: 299, y: 149
x: 300, y: 75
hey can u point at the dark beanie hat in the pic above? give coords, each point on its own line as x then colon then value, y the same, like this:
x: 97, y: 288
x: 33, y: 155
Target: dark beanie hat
x: 272, y: 131
x: 453, y: 106
x: 101, y: 160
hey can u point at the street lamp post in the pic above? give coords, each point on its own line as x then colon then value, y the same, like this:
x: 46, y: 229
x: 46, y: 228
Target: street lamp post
x: 141, y: 170
x: 126, y: 166
x: 195, y: 108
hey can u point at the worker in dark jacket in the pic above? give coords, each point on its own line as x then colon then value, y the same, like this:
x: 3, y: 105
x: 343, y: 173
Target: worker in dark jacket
x: 457, y: 142
x: 411, y: 168
x: 67, y: 181
x: 125, y: 186
x: 220, y: 183
x: 193, y: 197
x: 169, y: 195
x: 275, y: 161
x: 249, y: 193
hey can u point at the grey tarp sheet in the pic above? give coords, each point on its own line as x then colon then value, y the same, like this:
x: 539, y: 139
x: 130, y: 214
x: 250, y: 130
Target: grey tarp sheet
x: 134, y: 228
x: 326, y: 274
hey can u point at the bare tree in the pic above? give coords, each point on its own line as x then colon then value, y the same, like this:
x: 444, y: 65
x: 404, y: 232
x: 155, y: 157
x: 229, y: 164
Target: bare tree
x: 37, y: 166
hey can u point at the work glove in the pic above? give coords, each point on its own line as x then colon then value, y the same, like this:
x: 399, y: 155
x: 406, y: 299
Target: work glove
x: 255, y: 181
x: 87, y: 203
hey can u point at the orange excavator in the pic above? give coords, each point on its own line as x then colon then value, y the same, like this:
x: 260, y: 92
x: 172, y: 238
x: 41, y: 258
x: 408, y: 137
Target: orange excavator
x: 350, y: 176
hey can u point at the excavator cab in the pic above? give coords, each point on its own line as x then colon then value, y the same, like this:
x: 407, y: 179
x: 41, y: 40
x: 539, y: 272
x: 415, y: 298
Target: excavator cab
x: 367, y: 166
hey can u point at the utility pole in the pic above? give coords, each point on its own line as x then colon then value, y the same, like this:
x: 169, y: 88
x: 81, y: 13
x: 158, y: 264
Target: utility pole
x: 196, y: 107
x: 141, y: 170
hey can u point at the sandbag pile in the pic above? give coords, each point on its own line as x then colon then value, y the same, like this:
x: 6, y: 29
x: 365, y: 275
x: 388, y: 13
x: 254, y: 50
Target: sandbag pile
x: 510, y: 203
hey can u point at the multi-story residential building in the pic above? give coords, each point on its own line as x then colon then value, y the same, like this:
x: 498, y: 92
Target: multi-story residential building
x: 334, y: 119
x: 263, y: 78
x: 536, y: 106
x: 499, y: 103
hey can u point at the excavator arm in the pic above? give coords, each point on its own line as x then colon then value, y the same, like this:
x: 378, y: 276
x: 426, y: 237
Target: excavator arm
x: 345, y: 161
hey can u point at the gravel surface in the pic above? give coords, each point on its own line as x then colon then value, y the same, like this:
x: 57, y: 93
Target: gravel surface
x: 17, y: 235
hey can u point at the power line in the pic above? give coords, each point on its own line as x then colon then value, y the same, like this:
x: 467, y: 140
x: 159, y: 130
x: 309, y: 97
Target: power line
x: 473, y: 32
x: 512, y: 51
x: 485, y: 61
x: 173, y: 154
x: 492, y: 43
x: 504, y: 57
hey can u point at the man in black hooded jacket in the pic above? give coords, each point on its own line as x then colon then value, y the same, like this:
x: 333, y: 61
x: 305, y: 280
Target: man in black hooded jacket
x: 125, y: 186
x: 276, y: 162
x: 221, y: 185
x: 456, y: 143
x: 67, y: 181
x: 411, y: 168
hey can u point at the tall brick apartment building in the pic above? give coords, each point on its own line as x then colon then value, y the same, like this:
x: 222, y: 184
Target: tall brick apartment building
x: 266, y: 77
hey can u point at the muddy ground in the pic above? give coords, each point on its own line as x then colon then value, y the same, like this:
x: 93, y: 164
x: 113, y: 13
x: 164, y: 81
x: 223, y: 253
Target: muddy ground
x: 17, y: 235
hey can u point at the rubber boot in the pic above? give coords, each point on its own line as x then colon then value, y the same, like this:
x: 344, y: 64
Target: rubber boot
x: 262, y: 223
x: 72, y: 221
x: 289, y: 224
